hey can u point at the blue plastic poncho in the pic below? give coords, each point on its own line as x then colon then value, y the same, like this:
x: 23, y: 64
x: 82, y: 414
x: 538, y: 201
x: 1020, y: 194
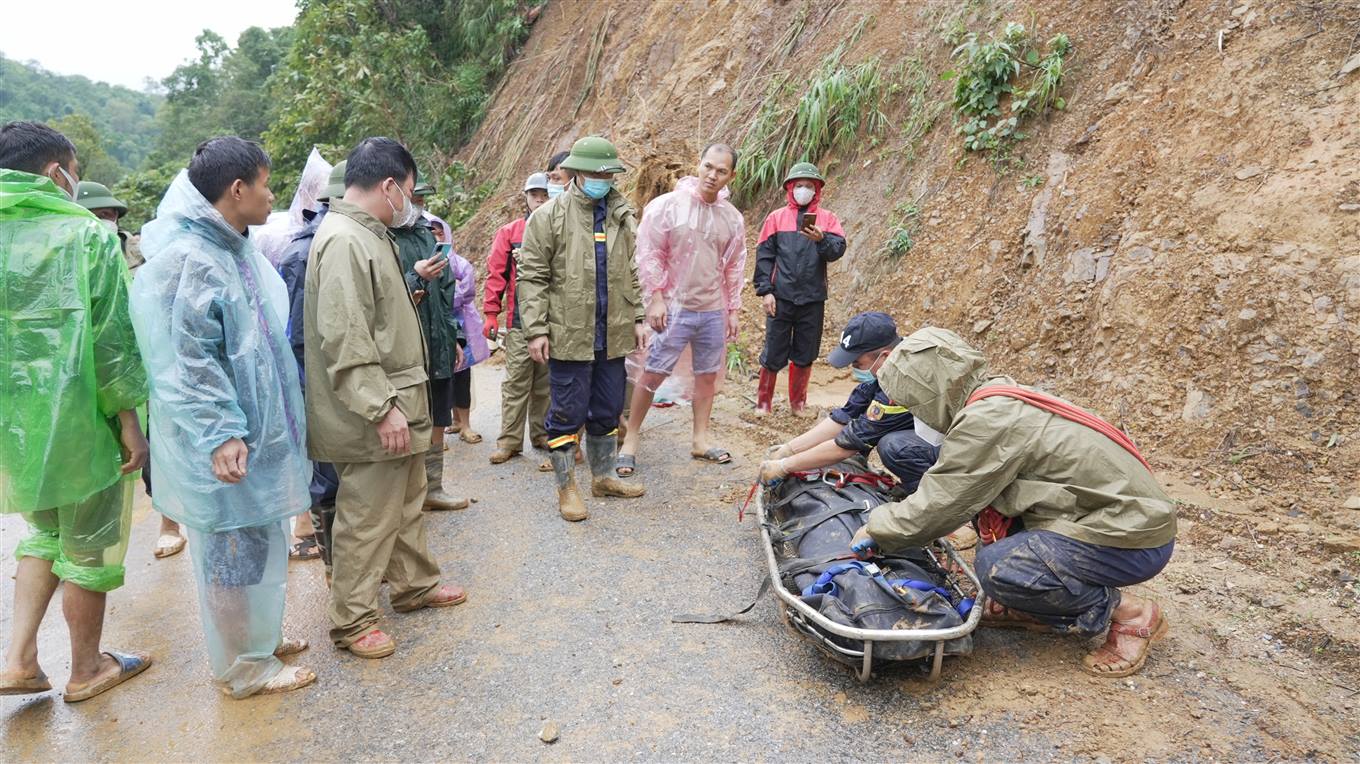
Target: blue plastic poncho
x: 68, y: 360
x: 210, y: 313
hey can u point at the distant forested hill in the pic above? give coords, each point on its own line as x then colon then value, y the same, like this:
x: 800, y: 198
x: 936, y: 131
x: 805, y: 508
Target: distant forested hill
x: 124, y: 118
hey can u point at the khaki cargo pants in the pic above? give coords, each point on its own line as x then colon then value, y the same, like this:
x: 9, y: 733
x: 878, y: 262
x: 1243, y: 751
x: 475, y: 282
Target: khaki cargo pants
x: 524, y: 392
x: 379, y: 532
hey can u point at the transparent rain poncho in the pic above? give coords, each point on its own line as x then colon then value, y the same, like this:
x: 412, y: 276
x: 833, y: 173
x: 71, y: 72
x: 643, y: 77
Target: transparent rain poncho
x: 272, y: 238
x: 694, y: 254
x: 68, y: 357
x: 68, y: 364
x: 210, y: 315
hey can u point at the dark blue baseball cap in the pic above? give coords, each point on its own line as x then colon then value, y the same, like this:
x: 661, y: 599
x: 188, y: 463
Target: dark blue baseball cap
x: 865, y: 332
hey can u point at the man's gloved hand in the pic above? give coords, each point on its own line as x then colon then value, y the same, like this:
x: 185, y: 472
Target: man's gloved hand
x: 863, y: 545
x: 489, y: 326
x: 779, y: 451
x: 773, y: 470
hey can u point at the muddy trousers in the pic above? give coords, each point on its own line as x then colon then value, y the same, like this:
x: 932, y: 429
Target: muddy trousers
x: 241, y: 575
x: 1068, y: 584
x: 793, y: 335
x: 524, y: 394
x: 584, y: 393
x: 907, y: 456
x: 379, y: 532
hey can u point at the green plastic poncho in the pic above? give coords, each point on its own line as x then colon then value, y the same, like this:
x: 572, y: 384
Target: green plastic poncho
x: 68, y: 359
x: 210, y: 314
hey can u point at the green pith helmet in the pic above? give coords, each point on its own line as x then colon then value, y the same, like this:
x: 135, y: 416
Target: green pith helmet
x: 804, y: 171
x: 335, y: 184
x: 96, y: 196
x: 593, y: 154
x: 422, y: 187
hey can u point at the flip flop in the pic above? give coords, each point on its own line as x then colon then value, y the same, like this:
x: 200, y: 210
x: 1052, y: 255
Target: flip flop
x: 289, y: 646
x: 305, y: 549
x: 289, y: 678
x: 546, y: 466
x: 468, y: 436
x: 715, y: 455
x: 25, y: 685
x: 168, y: 545
x: 625, y: 462
x: 129, y: 665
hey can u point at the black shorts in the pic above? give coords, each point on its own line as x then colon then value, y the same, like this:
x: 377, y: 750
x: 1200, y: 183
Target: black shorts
x: 441, y: 402
x: 462, y: 389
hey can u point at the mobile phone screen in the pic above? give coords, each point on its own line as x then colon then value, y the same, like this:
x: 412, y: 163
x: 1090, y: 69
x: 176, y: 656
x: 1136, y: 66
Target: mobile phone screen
x: 809, y: 218
x: 443, y: 250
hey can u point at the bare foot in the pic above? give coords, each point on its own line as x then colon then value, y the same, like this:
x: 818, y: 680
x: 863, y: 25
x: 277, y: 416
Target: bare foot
x: 1137, y: 623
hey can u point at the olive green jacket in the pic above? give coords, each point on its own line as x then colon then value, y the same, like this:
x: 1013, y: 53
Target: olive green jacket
x: 363, y: 345
x: 556, y: 279
x: 1055, y: 474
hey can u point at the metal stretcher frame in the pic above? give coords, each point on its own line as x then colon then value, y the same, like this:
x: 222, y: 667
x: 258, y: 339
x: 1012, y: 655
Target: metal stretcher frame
x: 802, y: 617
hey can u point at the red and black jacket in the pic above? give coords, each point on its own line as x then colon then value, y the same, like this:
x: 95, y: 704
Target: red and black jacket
x: 789, y: 264
x: 501, y: 271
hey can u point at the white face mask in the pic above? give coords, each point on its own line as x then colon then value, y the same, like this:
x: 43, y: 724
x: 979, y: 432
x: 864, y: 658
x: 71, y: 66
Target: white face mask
x: 73, y: 192
x: 555, y: 190
x: 112, y: 225
x: 803, y: 194
x: 410, y: 211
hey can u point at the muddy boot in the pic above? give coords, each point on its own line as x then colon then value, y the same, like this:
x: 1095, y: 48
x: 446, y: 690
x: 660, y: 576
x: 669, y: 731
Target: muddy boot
x: 435, y: 498
x: 798, y: 385
x: 569, y: 502
x: 765, y: 391
x: 600, y: 449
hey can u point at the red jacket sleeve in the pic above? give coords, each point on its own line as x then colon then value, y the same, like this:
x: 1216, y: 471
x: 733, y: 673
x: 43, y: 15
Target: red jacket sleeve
x: 495, y: 271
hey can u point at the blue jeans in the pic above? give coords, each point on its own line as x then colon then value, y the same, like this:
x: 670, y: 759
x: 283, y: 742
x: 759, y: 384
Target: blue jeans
x: 1067, y: 584
x: 907, y: 456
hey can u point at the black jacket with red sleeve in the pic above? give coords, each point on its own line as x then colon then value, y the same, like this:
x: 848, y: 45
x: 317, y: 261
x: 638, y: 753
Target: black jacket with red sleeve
x: 790, y: 265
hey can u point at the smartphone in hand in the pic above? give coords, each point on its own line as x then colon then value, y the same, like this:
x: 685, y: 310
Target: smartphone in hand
x: 809, y: 219
x: 444, y: 250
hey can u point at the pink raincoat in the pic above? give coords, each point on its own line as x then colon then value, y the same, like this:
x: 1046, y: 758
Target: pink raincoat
x: 694, y: 254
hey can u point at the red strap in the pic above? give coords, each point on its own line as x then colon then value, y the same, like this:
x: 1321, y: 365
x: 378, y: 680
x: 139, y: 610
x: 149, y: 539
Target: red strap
x: 843, y: 478
x: 1063, y: 409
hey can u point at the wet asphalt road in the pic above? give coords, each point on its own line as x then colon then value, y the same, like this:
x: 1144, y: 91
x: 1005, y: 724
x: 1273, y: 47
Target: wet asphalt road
x: 565, y: 622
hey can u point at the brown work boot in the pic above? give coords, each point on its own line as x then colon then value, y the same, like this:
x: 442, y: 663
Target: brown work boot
x: 601, y: 452
x: 569, y: 503
x: 502, y: 455
x: 435, y: 498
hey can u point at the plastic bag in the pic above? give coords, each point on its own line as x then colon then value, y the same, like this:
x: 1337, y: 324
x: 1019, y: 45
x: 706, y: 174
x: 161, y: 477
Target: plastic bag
x: 210, y: 314
x: 693, y: 254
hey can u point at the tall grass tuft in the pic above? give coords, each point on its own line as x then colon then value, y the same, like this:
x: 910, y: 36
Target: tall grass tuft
x: 835, y: 106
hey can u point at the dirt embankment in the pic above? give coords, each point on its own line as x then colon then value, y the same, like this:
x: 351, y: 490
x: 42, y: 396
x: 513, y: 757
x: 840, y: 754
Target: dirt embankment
x: 1179, y: 249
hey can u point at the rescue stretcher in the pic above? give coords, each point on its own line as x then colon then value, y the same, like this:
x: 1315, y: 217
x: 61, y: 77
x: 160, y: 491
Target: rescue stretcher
x: 812, y: 625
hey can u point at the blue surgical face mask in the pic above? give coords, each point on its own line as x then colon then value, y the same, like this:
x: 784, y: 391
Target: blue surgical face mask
x: 862, y: 375
x: 596, y: 188
x: 555, y: 190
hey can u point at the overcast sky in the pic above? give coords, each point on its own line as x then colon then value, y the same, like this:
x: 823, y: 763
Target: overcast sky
x: 126, y: 42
